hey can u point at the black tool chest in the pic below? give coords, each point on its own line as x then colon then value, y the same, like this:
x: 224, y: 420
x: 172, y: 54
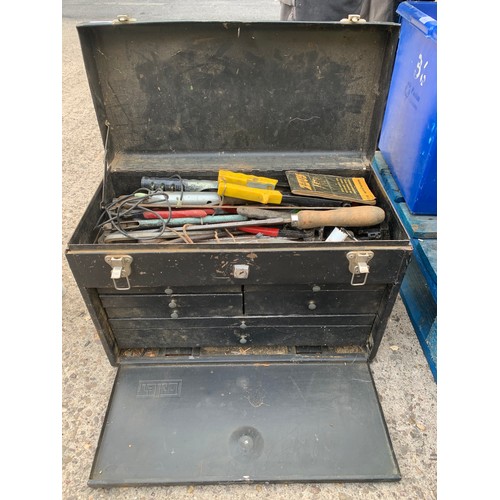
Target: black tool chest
x: 239, y: 360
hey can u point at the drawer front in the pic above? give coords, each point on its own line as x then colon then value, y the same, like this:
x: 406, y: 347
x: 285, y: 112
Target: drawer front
x: 169, y: 290
x: 172, y: 306
x: 257, y: 331
x: 312, y: 300
x: 312, y: 264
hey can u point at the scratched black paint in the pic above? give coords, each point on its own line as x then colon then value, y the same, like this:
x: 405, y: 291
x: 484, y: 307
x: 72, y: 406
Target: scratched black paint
x: 239, y: 87
x: 217, y: 104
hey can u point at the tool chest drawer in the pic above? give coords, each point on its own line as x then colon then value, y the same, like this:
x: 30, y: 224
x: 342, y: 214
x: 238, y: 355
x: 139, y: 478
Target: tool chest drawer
x: 173, y: 306
x: 244, y: 330
x: 312, y: 299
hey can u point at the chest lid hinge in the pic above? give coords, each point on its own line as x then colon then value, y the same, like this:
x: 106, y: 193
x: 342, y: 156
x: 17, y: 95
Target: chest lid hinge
x: 353, y: 19
x: 124, y: 18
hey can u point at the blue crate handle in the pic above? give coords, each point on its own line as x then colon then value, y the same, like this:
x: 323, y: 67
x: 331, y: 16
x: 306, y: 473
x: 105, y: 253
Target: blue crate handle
x: 423, y: 22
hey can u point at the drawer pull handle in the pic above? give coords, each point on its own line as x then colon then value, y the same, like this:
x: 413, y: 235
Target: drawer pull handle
x: 172, y: 304
x: 311, y: 305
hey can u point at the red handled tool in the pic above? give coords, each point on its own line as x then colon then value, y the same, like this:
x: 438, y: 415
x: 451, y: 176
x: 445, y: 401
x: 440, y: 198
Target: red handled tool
x: 275, y: 232
x: 266, y: 231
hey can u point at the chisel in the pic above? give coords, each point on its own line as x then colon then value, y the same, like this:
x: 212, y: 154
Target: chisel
x: 362, y: 216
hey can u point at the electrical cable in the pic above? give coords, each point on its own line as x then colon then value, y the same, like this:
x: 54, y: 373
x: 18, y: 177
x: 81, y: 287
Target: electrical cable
x: 125, y: 206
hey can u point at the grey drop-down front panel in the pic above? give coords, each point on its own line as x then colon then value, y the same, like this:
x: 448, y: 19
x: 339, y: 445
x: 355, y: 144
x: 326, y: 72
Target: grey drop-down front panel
x: 244, y: 421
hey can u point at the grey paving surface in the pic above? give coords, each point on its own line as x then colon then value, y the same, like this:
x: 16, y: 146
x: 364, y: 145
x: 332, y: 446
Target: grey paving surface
x: 152, y: 10
x: 403, y: 379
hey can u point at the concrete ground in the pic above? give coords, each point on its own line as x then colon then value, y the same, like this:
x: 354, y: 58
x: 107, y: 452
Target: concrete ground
x: 402, y: 376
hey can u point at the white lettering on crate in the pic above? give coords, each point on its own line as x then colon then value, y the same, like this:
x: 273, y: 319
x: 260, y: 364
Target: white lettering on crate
x: 419, y: 73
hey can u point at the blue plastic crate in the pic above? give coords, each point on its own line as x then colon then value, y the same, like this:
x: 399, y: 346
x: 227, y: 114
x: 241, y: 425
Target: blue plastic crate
x: 408, y: 138
x: 419, y: 287
x: 419, y: 294
x: 418, y: 226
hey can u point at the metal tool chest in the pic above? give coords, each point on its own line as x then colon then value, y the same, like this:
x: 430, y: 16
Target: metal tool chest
x: 239, y: 362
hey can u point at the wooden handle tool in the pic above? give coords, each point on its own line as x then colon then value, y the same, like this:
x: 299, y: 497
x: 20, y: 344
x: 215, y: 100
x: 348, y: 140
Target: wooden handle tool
x: 305, y: 219
x: 362, y: 216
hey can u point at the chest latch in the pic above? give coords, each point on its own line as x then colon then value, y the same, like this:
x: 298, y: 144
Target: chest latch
x: 358, y: 266
x: 120, y: 269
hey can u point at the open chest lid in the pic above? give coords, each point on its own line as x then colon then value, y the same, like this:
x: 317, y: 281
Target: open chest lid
x: 189, y: 87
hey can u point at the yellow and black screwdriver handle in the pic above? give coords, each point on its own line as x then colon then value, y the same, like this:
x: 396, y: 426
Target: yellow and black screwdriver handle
x: 248, y: 187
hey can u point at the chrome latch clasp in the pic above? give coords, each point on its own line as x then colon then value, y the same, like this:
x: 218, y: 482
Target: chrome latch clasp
x: 358, y: 266
x: 353, y: 19
x: 120, y: 269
